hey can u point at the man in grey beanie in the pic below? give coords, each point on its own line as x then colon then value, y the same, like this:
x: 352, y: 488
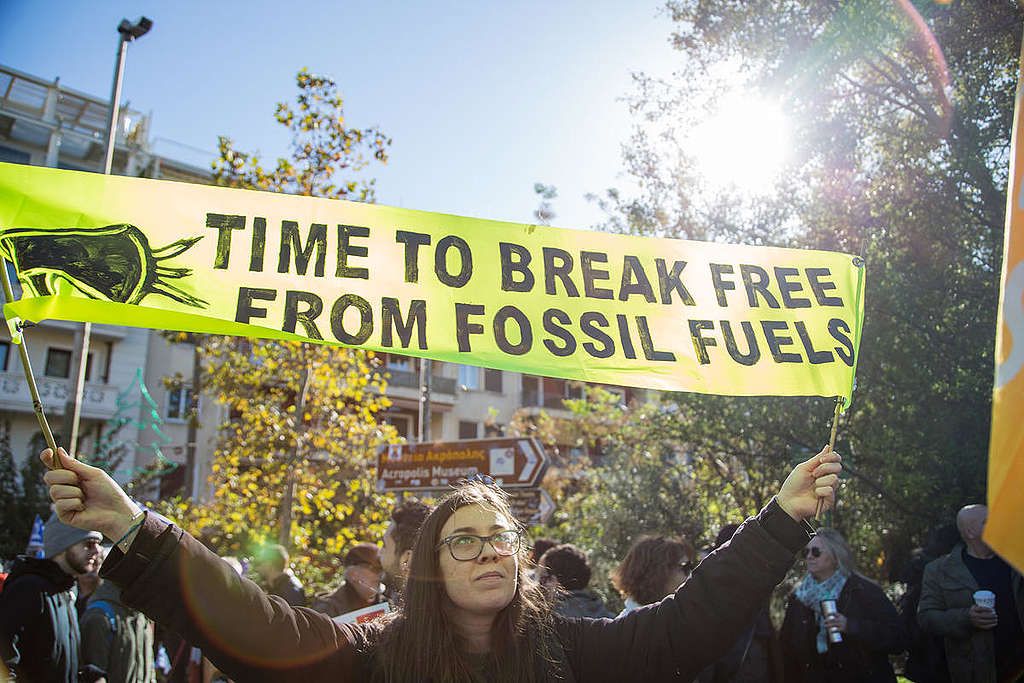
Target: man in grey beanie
x: 39, y: 637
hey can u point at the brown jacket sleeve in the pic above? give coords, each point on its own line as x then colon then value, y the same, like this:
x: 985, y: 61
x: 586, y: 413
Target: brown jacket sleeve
x: 250, y: 636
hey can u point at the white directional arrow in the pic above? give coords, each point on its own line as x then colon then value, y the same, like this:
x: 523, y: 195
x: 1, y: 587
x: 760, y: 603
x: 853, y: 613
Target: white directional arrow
x: 547, y: 507
x: 532, y: 459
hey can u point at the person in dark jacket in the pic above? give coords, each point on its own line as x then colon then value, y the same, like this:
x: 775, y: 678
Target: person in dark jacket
x: 470, y: 611
x: 116, y: 638
x: 361, y: 586
x: 755, y: 657
x: 867, y: 621
x: 39, y: 635
x: 926, y: 655
x: 565, y: 572
x: 271, y: 563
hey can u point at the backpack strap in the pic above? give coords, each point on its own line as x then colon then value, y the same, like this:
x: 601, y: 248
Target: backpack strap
x: 108, y: 611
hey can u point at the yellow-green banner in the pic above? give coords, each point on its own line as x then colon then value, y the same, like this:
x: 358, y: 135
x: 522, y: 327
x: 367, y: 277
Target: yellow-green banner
x: 657, y: 313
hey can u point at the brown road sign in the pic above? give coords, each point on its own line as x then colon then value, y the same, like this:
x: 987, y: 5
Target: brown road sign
x: 531, y: 506
x: 511, y: 462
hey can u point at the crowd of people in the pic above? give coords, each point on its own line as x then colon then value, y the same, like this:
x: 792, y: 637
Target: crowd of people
x: 466, y: 600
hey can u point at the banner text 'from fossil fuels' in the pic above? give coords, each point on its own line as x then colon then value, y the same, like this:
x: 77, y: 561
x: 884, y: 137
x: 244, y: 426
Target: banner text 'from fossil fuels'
x: 656, y: 313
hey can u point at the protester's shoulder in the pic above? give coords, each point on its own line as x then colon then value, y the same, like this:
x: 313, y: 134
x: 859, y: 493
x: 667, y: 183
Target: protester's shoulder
x: 864, y: 587
x: 30, y: 574
x: 326, y: 602
x: 95, y: 617
x: 944, y: 564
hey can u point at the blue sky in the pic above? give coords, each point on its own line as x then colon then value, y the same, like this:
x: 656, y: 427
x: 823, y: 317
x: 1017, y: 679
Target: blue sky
x: 482, y: 99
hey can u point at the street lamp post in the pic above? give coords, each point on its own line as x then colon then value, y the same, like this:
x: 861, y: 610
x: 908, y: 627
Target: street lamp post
x: 127, y: 32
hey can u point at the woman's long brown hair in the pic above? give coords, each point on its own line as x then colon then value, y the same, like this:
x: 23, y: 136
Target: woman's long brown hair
x: 420, y: 643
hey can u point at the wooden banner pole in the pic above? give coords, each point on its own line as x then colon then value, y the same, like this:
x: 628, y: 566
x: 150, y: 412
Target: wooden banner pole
x: 26, y: 365
x: 831, y: 447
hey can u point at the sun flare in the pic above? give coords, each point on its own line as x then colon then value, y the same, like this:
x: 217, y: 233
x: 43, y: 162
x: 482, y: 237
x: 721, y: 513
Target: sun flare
x: 743, y: 144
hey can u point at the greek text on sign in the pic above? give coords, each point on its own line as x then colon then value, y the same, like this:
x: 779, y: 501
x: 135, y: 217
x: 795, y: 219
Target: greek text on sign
x: 511, y: 462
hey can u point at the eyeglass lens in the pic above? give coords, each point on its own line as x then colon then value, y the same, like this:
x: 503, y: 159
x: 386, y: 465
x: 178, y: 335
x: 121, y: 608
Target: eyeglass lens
x: 813, y: 552
x: 468, y: 547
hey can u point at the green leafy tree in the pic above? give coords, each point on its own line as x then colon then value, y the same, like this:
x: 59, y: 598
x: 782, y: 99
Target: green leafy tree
x: 294, y: 463
x: 35, y: 498
x: 650, y: 468
x: 323, y: 149
x: 901, y: 115
x: 299, y: 449
x: 13, y: 532
x: 546, y: 194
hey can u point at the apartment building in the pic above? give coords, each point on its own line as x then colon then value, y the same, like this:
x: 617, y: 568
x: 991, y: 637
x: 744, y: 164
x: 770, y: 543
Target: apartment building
x: 45, y: 123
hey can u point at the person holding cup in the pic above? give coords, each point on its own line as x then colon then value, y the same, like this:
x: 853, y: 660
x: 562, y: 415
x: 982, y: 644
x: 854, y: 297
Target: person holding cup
x: 974, y: 600
x: 839, y: 625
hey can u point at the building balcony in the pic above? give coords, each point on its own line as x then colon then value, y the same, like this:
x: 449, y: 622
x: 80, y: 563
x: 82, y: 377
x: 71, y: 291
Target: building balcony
x: 410, y: 379
x: 99, y: 401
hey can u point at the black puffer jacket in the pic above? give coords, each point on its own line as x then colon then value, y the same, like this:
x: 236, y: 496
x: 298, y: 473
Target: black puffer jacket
x: 250, y: 636
x: 39, y: 635
x: 873, y: 632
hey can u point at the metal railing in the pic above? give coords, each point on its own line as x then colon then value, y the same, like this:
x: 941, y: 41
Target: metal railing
x: 411, y: 380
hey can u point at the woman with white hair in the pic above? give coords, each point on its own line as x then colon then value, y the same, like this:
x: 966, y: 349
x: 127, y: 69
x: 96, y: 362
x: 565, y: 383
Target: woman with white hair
x: 868, y: 626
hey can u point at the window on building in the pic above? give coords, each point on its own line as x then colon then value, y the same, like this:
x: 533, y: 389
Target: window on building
x: 178, y: 400
x: 554, y: 392
x: 402, y: 424
x: 5, y: 354
x: 492, y: 380
x: 494, y: 429
x: 397, y: 362
x: 58, y: 363
x: 469, y: 377
x: 531, y: 391
x: 14, y: 156
x: 468, y: 430
x: 88, y: 368
x: 574, y: 389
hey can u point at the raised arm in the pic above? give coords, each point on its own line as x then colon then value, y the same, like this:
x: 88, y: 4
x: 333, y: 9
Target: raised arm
x: 685, y: 632
x: 173, y: 579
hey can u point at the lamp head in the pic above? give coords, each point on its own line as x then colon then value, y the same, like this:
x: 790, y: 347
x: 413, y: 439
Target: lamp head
x: 130, y: 31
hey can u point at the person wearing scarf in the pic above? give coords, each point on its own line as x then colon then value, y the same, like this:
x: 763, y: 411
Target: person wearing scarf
x: 867, y: 621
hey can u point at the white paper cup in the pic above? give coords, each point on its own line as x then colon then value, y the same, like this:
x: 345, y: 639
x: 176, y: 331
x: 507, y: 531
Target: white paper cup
x: 985, y: 599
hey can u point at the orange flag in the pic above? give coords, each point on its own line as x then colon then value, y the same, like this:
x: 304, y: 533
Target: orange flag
x: 1006, y: 451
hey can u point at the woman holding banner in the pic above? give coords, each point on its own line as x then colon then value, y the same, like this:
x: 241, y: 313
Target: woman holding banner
x: 471, y: 612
